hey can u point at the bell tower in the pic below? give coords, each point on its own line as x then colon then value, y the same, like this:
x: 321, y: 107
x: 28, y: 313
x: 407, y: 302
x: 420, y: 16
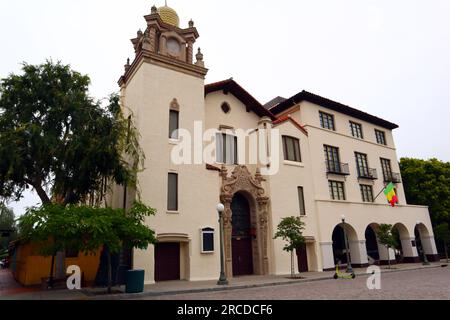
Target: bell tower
x: 165, y: 43
x: 163, y: 88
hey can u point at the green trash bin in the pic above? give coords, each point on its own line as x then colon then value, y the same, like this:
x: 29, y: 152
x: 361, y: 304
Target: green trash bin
x: 134, y: 281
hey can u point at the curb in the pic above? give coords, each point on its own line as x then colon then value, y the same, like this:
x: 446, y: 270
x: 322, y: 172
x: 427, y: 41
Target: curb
x: 132, y: 296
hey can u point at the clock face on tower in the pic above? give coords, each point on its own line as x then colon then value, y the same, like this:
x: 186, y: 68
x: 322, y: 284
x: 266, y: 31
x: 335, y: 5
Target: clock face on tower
x: 173, y: 47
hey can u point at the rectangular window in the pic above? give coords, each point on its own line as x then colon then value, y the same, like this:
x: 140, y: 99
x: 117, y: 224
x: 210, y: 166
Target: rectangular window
x: 332, y: 158
x: 337, y: 191
x: 362, y: 165
x: 174, y: 124
x: 71, y: 253
x: 172, y: 193
x: 381, y: 137
x: 291, y: 148
x: 356, y: 130
x: 387, y: 169
x: 327, y: 121
x: 226, y: 149
x: 367, y: 193
x: 207, y: 240
x: 301, y: 200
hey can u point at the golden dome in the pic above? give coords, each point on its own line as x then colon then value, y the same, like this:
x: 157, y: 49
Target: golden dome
x: 169, y: 16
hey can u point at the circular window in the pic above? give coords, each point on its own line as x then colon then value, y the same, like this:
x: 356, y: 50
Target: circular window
x: 226, y: 107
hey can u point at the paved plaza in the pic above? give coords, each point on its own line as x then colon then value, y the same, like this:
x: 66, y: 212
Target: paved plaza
x: 424, y: 284
x: 401, y: 282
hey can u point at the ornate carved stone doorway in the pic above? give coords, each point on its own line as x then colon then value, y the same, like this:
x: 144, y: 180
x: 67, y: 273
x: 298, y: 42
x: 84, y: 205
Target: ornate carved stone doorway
x: 244, y: 184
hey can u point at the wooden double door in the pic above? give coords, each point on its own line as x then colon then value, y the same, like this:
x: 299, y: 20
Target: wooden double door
x: 242, y: 240
x: 167, y: 262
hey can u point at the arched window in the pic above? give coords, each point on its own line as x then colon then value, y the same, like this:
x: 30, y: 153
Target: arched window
x: 174, y: 119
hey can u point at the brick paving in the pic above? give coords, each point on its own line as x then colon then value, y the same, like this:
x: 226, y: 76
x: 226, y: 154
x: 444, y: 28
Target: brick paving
x: 424, y: 284
x: 413, y: 279
x: 9, y: 286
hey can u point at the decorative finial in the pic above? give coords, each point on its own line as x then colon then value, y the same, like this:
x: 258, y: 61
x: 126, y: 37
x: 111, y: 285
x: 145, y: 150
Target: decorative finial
x: 127, y: 66
x: 199, y: 57
x: 154, y: 9
x: 139, y: 33
x: 191, y: 23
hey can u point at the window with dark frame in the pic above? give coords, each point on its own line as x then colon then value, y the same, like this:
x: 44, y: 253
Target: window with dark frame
x: 337, y: 190
x: 301, y: 201
x: 332, y: 158
x: 381, y: 137
x: 71, y: 253
x: 327, y: 121
x: 172, y: 193
x: 291, y: 147
x: 387, y: 169
x: 366, y: 193
x: 174, y: 124
x: 226, y: 149
x: 207, y: 240
x: 362, y: 164
x: 356, y: 130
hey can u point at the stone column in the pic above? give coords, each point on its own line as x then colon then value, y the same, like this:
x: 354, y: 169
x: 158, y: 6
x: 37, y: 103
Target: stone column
x: 429, y: 245
x: 358, y: 253
x: 263, y: 220
x: 327, y: 256
x: 384, y: 256
x: 410, y: 253
x: 190, y: 52
x: 228, y: 230
x: 152, y: 39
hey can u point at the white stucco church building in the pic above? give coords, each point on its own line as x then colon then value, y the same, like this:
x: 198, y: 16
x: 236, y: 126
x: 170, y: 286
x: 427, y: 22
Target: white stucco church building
x: 332, y: 162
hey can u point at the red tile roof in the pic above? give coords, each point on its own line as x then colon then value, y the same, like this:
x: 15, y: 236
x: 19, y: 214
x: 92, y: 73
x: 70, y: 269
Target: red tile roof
x: 289, y: 118
x: 231, y: 86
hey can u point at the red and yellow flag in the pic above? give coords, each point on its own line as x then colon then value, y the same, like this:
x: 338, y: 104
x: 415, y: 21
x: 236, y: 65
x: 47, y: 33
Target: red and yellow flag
x: 390, y: 194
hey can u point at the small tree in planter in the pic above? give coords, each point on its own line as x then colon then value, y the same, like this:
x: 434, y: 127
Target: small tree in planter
x: 443, y: 233
x: 386, y: 237
x: 290, y: 230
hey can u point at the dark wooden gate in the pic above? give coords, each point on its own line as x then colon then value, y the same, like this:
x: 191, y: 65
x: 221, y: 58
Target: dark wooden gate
x: 302, y: 257
x: 167, y: 262
x: 241, y: 239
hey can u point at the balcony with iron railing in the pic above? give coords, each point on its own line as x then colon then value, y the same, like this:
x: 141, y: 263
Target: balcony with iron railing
x: 367, y: 173
x: 392, y: 177
x: 337, y: 168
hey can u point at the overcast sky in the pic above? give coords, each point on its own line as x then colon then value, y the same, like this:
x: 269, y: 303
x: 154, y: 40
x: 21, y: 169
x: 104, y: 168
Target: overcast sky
x: 388, y: 58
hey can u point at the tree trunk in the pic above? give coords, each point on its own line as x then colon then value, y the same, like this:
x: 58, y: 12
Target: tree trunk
x: 389, y: 258
x: 52, y: 267
x: 292, y: 264
x: 109, y: 270
x: 446, y: 251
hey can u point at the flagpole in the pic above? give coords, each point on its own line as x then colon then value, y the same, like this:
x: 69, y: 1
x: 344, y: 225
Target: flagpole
x: 379, y: 194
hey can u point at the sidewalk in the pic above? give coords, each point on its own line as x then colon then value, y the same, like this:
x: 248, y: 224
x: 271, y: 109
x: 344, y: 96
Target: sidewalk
x: 184, y: 287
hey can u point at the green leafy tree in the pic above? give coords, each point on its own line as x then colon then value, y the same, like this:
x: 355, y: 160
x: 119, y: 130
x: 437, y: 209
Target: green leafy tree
x: 7, y: 227
x: 87, y: 229
x: 427, y: 182
x: 386, y: 237
x: 442, y: 233
x: 290, y: 230
x: 61, y: 142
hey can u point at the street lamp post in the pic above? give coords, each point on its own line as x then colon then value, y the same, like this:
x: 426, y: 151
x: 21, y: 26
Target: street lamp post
x: 223, y: 278
x: 425, y: 259
x: 347, y: 249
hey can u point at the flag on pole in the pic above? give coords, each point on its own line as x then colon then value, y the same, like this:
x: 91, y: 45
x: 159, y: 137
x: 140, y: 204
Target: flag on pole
x: 390, y: 194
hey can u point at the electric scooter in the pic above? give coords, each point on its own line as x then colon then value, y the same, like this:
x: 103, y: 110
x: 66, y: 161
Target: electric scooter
x: 339, y: 275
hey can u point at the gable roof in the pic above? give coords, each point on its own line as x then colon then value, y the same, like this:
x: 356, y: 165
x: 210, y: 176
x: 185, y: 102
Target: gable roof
x: 231, y: 86
x: 288, y: 117
x: 272, y: 103
x: 332, y: 105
